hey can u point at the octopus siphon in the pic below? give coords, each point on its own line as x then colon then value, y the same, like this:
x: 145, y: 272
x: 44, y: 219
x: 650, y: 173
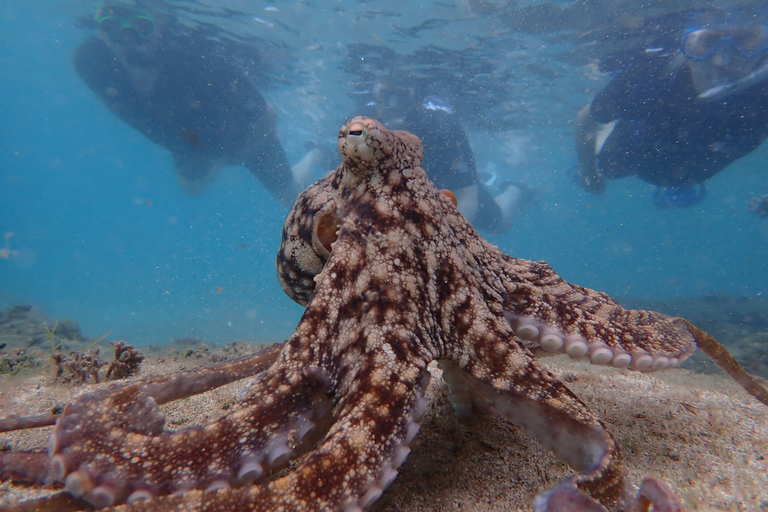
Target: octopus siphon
x: 393, y: 277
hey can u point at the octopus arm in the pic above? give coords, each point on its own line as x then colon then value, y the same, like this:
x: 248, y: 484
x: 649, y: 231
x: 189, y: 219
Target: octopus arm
x: 726, y: 361
x: 58, y: 502
x: 560, y: 317
x: 29, y: 467
x: 550, y: 413
x: 346, y: 471
x: 374, y: 423
x: 108, y: 452
x: 653, y: 495
x: 115, y: 404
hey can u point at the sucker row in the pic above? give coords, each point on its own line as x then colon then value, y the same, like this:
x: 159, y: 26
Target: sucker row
x: 552, y: 340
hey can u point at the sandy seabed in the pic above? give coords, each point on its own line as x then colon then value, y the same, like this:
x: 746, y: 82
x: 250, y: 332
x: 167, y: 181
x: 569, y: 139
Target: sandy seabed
x: 702, y: 434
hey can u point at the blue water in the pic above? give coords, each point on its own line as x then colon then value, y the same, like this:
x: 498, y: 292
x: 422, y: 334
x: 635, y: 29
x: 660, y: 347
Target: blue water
x: 99, y: 231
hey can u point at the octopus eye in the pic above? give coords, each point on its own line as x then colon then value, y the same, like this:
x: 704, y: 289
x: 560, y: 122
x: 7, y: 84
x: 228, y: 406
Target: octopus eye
x: 355, y: 143
x: 357, y: 133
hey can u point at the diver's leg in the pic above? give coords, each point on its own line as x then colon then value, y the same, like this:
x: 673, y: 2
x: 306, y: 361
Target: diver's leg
x: 490, y: 217
x: 195, y: 173
x: 267, y: 161
x: 265, y: 157
x: 586, y: 145
x: 495, y: 214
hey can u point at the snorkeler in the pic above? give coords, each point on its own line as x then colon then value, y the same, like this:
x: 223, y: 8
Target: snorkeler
x: 176, y: 88
x: 448, y: 157
x: 676, y: 118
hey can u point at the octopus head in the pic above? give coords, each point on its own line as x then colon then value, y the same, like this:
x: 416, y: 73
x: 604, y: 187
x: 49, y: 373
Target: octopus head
x: 362, y: 144
x: 366, y: 146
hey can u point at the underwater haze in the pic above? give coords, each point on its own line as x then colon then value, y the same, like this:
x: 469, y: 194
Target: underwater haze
x: 96, y: 228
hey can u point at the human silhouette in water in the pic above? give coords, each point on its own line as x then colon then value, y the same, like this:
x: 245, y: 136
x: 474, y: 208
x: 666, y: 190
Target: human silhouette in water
x: 675, y: 116
x: 449, y: 160
x: 179, y: 90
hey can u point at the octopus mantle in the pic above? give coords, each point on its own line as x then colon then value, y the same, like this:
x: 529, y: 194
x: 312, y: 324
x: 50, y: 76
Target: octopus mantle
x: 393, y: 278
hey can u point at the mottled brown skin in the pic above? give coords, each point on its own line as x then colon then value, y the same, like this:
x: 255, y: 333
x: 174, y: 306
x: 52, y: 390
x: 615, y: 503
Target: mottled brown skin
x: 409, y: 259
x: 393, y: 277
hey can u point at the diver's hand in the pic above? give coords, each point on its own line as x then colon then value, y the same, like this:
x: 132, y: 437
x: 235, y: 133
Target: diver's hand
x: 590, y: 179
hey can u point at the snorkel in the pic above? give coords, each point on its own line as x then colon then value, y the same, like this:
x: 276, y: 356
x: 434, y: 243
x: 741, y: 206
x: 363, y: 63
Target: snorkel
x: 721, y: 91
x: 727, y: 52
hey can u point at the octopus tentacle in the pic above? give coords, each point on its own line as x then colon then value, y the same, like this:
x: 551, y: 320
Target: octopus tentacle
x: 116, y: 407
x: 259, y: 436
x: 115, y: 402
x: 29, y: 467
x: 110, y: 446
x: 346, y: 471
x: 58, y: 502
x: 653, y: 495
x: 489, y: 370
x: 549, y: 412
x: 559, y: 317
x: 726, y: 361
x: 566, y: 499
x: 11, y: 424
x: 134, y: 405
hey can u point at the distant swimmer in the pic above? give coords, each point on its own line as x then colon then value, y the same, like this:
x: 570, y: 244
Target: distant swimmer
x: 22, y: 258
x: 448, y: 156
x: 675, y: 117
x: 6, y: 252
x: 178, y: 88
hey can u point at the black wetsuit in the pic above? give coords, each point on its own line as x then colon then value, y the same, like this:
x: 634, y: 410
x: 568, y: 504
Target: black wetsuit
x: 665, y: 135
x: 448, y: 158
x: 202, y: 109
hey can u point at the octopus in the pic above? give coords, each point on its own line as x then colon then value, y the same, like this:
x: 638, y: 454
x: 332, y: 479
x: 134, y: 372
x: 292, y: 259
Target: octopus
x: 393, y: 278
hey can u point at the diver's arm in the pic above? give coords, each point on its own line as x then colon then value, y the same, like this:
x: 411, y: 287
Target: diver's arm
x: 105, y: 76
x: 639, y: 90
x: 88, y: 61
x: 265, y: 157
x: 586, y: 134
x: 97, y: 67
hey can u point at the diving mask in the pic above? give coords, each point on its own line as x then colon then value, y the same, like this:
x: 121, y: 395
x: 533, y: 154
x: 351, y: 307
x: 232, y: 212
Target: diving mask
x: 115, y: 21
